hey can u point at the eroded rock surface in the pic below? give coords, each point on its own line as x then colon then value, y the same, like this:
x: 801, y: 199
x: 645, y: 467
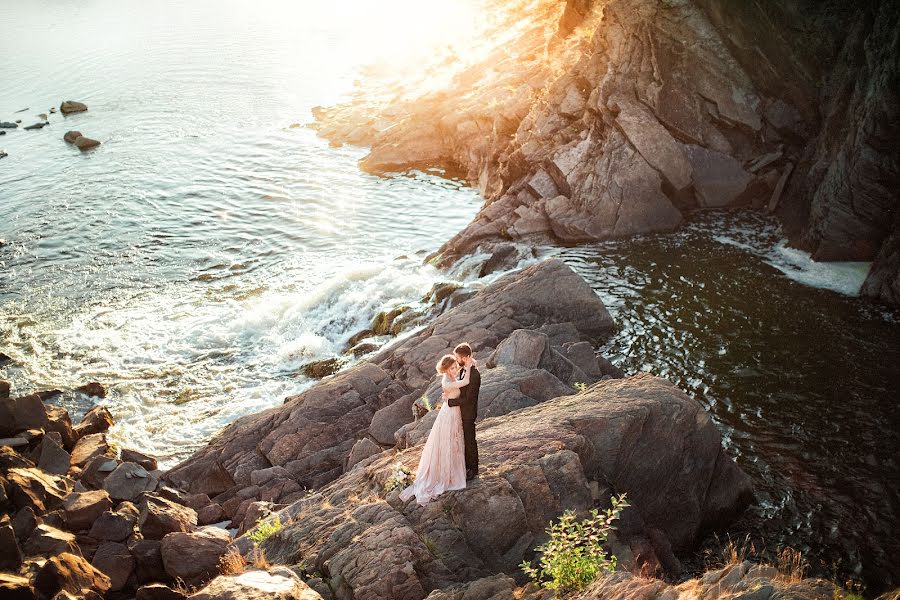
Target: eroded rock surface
x: 638, y: 112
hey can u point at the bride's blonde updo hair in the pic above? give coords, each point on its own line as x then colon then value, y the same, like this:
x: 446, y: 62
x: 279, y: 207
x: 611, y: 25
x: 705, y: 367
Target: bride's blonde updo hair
x: 443, y: 365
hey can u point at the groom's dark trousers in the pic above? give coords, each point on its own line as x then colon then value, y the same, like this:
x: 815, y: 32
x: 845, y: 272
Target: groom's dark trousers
x: 468, y: 408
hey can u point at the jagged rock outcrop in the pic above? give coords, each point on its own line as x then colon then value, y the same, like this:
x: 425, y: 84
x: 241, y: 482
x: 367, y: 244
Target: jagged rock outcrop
x: 312, y: 435
x: 640, y: 435
x: 67, y: 529
x: 611, y: 118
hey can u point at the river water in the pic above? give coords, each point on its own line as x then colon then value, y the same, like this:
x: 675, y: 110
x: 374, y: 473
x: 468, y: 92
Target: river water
x: 212, y: 245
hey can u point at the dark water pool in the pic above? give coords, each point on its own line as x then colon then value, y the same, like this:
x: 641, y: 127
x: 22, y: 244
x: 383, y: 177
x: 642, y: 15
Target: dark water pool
x: 804, y: 383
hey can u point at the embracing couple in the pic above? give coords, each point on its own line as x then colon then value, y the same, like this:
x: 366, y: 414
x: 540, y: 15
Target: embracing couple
x: 450, y: 456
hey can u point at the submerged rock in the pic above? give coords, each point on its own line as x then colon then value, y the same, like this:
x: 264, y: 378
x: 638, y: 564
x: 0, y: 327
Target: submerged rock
x: 36, y: 126
x: 70, y: 106
x: 322, y: 368
x: 85, y: 143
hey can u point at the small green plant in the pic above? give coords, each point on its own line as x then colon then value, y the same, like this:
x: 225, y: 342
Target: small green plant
x: 427, y: 403
x: 264, y: 530
x: 574, y: 555
x: 580, y: 386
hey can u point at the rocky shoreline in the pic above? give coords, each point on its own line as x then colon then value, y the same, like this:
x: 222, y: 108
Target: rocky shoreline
x: 606, y: 119
x: 308, y: 485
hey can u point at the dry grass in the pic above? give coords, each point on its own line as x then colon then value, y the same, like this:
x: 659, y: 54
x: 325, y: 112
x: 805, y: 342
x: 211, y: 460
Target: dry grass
x: 259, y: 558
x: 792, y: 567
x: 232, y: 563
x: 179, y: 586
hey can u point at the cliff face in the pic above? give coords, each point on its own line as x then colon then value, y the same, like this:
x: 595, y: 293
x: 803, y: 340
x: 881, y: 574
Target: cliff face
x: 608, y: 119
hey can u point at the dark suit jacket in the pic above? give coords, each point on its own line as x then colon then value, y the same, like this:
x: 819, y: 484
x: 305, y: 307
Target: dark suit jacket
x: 468, y: 397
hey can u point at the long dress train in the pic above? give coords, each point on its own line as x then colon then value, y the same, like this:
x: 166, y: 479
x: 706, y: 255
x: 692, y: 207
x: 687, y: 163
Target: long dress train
x: 443, y: 465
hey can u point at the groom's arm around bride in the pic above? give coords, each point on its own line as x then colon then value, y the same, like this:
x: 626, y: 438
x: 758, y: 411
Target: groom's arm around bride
x: 468, y: 406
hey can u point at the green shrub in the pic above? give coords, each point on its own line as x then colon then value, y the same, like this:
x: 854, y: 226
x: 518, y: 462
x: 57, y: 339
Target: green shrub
x: 580, y: 386
x: 265, y: 529
x: 427, y: 403
x: 574, y: 555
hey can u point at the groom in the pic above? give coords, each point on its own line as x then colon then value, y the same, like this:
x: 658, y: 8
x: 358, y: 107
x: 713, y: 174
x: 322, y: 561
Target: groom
x: 468, y: 406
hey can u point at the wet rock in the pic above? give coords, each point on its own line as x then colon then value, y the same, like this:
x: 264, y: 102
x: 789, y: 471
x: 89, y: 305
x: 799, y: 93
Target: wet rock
x: 883, y: 280
x: 194, y: 557
x: 7, y: 125
x: 89, y: 447
x: 36, y: 126
x: 148, y: 561
x: 96, y: 420
x: 70, y: 106
x: 113, y: 527
x: 72, y: 574
x: 322, y: 368
x: 160, y: 517
x: 46, y: 540
x: 158, y: 591
x: 53, y: 458
x: 440, y: 292
x: 10, y: 555
x: 94, y: 388
x: 71, y: 136
x: 144, y: 460
x: 277, y: 583
x: 34, y: 488
x: 2, y: 153
x: 128, y: 481
x: 115, y: 561
x: 503, y: 257
x: 85, y: 143
x: 14, y: 587
x: 381, y: 325
x: 83, y: 508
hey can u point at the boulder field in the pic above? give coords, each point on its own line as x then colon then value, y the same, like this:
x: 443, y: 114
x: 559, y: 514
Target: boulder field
x: 609, y: 118
x: 312, y: 485
x: 559, y: 428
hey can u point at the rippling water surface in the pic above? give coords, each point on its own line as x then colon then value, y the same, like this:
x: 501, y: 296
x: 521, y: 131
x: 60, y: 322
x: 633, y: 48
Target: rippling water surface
x: 803, y: 382
x: 212, y: 245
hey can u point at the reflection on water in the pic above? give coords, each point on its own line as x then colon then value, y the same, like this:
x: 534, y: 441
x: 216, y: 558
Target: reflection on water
x: 804, y: 383
x: 211, y: 244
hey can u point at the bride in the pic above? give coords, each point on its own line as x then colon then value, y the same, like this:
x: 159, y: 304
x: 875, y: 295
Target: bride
x: 443, y: 464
